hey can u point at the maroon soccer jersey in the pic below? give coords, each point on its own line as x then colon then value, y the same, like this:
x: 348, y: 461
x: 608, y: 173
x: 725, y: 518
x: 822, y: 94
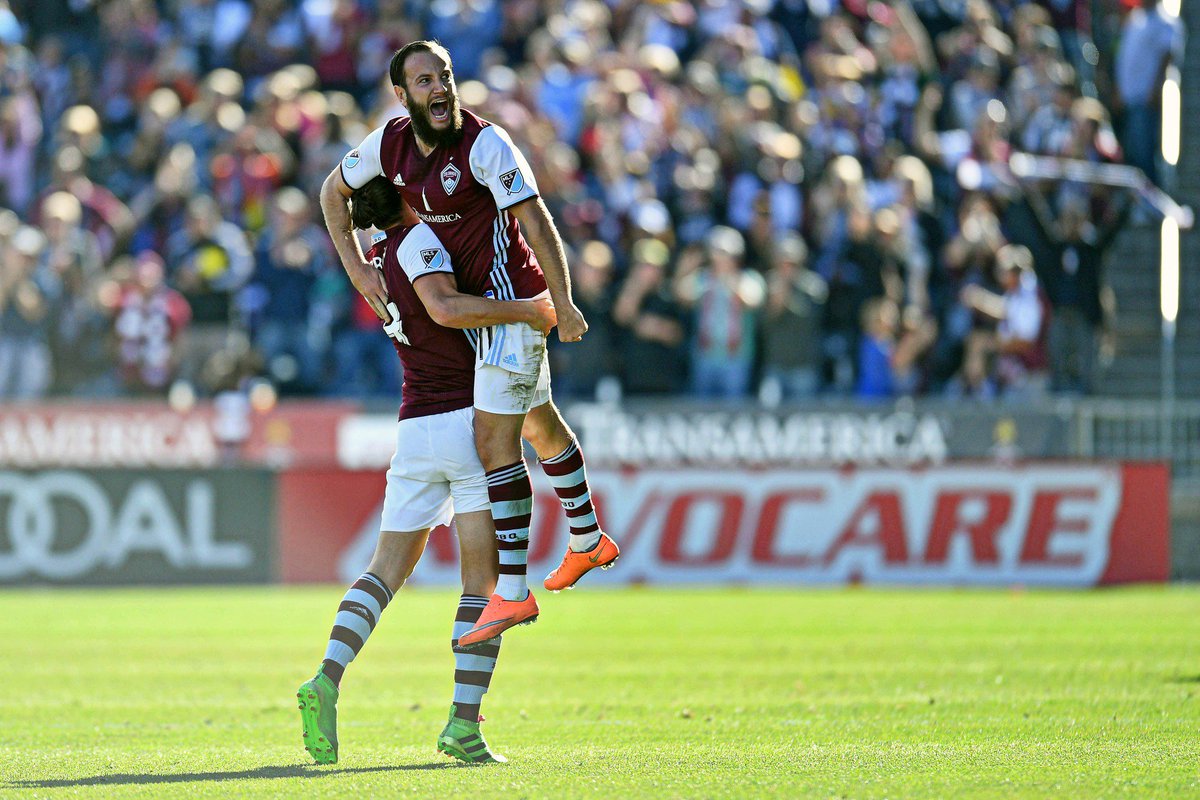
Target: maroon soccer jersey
x: 439, y: 363
x: 463, y: 192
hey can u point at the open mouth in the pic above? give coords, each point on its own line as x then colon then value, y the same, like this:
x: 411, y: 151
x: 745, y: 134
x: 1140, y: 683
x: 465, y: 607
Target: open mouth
x: 439, y: 110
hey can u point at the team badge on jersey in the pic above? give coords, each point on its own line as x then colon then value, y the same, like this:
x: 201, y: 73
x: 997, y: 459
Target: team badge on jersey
x: 512, y: 181
x: 450, y: 176
x: 351, y: 160
x: 398, y: 180
x: 434, y: 259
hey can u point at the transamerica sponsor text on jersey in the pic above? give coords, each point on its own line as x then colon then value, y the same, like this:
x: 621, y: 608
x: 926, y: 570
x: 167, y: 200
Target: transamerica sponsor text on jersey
x: 439, y: 363
x: 463, y: 192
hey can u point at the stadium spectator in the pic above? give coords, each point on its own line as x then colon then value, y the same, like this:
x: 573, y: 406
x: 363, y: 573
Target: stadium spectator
x: 890, y: 349
x: 655, y: 336
x: 25, y: 316
x: 1019, y: 340
x: 20, y: 131
x: 209, y: 260
x: 791, y: 324
x: 1150, y: 41
x: 150, y: 325
x: 580, y: 368
x: 878, y: 132
x: 724, y: 298
x: 1072, y: 275
x: 292, y: 332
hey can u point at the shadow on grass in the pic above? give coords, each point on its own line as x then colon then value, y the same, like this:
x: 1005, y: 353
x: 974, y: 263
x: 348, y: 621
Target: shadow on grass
x: 1184, y: 679
x: 266, y: 773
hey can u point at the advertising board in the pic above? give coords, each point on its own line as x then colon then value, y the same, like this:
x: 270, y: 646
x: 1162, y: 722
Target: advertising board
x: 1049, y: 524
x: 121, y: 526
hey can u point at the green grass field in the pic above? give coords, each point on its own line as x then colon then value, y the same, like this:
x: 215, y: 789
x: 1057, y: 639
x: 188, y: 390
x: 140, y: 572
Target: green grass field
x: 616, y: 694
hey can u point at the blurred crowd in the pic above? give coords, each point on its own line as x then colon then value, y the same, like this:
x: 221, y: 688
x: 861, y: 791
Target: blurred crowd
x: 772, y: 198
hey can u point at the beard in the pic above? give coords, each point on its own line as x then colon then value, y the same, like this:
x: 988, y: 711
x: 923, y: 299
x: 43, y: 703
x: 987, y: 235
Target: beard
x: 422, y: 122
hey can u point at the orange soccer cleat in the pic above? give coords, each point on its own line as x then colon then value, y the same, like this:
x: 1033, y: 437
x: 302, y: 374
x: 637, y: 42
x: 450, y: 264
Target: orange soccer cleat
x: 498, y: 616
x: 575, y: 565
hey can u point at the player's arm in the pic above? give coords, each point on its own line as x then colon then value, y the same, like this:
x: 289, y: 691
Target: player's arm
x: 498, y: 164
x: 542, y: 235
x: 335, y: 206
x: 427, y: 264
x: 451, y: 308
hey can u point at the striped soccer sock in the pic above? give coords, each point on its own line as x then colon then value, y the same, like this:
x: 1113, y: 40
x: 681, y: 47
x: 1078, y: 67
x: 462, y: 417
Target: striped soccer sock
x: 512, y: 505
x: 472, y: 668
x: 569, y: 478
x: 356, y: 617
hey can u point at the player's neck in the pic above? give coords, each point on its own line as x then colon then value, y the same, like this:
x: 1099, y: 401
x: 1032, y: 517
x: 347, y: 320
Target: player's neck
x: 424, y: 147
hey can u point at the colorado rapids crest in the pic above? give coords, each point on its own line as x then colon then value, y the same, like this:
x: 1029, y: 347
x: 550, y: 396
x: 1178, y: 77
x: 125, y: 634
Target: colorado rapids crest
x: 450, y: 176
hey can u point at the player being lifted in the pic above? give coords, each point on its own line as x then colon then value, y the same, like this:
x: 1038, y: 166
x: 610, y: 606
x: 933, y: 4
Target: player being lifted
x: 464, y: 177
x: 426, y: 484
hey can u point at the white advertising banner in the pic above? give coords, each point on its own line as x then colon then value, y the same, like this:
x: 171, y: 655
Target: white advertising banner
x: 1060, y: 524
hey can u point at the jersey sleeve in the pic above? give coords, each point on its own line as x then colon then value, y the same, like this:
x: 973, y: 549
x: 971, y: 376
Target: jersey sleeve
x: 364, y: 162
x: 498, y: 164
x: 421, y: 253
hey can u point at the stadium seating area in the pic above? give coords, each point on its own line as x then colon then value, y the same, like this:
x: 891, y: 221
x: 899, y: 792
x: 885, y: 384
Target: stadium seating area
x: 781, y: 198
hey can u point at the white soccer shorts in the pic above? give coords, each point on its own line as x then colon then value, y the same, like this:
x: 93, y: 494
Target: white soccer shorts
x: 435, y: 472
x: 512, y: 372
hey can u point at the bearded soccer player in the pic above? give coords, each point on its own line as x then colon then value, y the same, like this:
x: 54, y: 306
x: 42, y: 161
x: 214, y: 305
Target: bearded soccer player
x: 463, y: 176
x: 426, y: 486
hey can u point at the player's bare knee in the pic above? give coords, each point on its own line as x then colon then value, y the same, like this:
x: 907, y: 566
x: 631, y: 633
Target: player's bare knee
x: 546, y: 430
x: 498, y: 446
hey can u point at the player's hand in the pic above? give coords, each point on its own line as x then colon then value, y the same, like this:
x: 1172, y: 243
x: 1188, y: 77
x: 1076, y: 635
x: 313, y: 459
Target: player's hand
x: 371, y: 285
x: 571, y: 324
x: 544, y: 315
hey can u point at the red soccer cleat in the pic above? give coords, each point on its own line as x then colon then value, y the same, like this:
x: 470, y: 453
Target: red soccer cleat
x: 498, y: 616
x: 575, y: 565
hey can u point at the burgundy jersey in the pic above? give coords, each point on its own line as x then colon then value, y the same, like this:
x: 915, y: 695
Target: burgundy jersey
x: 463, y: 192
x: 439, y: 363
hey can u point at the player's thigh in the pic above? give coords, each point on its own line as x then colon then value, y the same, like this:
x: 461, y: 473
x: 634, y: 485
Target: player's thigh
x: 514, y: 374
x: 477, y: 552
x: 418, y: 491
x: 460, y: 462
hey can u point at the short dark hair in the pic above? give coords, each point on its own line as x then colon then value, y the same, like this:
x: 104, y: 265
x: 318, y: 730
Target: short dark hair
x: 376, y: 204
x: 396, y: 70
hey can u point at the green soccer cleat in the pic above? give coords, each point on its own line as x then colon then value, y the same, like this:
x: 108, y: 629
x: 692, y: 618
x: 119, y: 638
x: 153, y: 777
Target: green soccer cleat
x: 318, y: 715
x: 463, y: 740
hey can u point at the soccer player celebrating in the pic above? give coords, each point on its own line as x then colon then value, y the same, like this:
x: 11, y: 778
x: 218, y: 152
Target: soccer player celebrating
x: 426, y: 484
x: 463, y: 176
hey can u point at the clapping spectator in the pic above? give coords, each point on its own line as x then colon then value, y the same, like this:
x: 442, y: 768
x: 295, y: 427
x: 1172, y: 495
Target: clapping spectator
x: 150, y: 324
x: 725, y: 298
x: 791, y: 323
x: 292, y: 256
x: 25, y: 317
x: 889, y: 349
x: 1022, y: 316
x: 209, y: 262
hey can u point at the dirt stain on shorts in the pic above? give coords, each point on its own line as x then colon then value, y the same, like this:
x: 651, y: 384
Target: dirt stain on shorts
x: 521, y: 387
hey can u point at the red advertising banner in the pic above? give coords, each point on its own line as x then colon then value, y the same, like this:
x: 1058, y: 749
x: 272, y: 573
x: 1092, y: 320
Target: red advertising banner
x: 1051, y: 524
x: 151, y: 434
